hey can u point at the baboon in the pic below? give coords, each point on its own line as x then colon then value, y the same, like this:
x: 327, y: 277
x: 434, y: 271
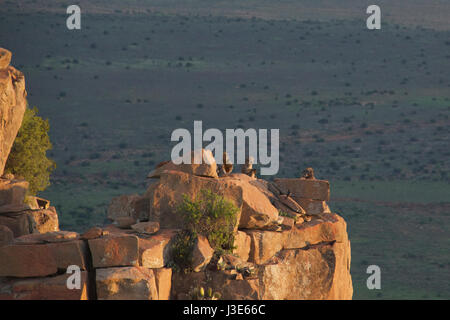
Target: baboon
x: 247, y: 168
x: 227, y: 167
x: 308, y: 173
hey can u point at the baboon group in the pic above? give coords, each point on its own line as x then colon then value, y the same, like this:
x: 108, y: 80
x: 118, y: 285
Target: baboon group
x: 227, y: 167
x: 247, y: 168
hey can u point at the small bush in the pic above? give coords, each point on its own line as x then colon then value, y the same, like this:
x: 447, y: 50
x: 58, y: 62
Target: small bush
x: 28, y: 157
x: 182, y: 248
x: 212, y: 216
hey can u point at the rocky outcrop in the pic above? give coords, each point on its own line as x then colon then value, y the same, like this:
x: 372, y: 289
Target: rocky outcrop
x: 312, y: 273
x: 165, y: 195
x: 12, y: 105
x: 287, y: 242
x: 310, y: 260
x: 20, y: 218
x: 306, y: 256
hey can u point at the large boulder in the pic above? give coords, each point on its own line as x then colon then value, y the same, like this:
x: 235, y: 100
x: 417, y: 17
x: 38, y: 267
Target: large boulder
x: 265, y: 244
x: 12, y: 105
x: 12, y: 192
x: 330, y: 227
x: 44, y: 220
x: 127, y: 283
x: 321, y: 272
x: 166, y: 195
x: 154, y: 252
x: 208, y: 167
x: 201, y: 253
x: 242, y: 245
x: 257, y: 210
x: 115, y: 250
x: 304, y: 188
x: 70, y: 253
x: 27, y: 261
x: 19, y: 223
x: 43, y: 254
x: 47, y: 288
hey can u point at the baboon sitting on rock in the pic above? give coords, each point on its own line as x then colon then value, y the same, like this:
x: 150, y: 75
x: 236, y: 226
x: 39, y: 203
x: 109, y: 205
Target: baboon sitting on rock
x: 227, y: 167
x: 247, y: 168
x: 308, y: 173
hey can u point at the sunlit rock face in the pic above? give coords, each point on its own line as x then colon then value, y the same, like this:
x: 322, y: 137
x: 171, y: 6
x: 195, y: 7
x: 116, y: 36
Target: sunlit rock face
x: 12, y: 105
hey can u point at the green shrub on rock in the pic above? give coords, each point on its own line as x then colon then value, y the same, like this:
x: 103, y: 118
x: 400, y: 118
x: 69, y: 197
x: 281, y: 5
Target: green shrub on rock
x: 212, y: 216
x: 28, y: 156
x: 181, y: 249
x: 209, y: 215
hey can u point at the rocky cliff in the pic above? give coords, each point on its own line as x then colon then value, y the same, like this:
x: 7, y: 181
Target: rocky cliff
x: 287, y: 242
x: 12, y: 104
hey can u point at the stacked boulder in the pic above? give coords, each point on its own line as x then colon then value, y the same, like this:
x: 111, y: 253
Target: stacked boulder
x: 17, y: 218
x: 12, y: 105
x: 298, y: 255
x: 20, y: 218
x: 108, y: 263
x: 32, y: 249
x: 129, y: 263
x: 34, y: 266
x: 288, y: 244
